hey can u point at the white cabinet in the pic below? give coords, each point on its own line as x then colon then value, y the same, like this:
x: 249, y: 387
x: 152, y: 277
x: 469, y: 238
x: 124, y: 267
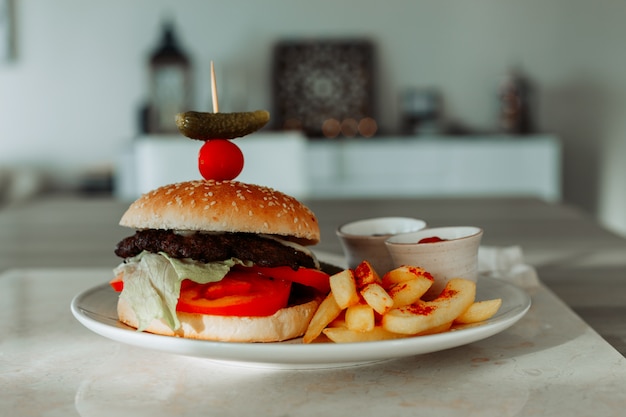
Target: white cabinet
x: 382, y: 167
x: 466, y: 166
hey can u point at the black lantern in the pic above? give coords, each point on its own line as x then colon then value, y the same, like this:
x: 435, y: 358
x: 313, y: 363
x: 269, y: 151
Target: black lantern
x: 170, y: 83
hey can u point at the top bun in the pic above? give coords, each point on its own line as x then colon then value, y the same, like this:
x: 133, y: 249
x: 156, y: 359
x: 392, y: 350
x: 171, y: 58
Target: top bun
x: 223, y: 206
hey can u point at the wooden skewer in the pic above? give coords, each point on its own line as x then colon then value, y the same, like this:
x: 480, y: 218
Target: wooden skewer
x: 216, y: 107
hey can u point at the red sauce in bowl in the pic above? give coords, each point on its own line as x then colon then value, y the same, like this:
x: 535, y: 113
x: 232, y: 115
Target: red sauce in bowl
x: 433, y: 239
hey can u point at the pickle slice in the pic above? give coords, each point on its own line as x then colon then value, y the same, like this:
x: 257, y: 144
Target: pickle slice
x: 206, y: 126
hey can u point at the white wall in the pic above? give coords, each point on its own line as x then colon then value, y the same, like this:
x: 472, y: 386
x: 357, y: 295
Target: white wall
x: 69, y: 101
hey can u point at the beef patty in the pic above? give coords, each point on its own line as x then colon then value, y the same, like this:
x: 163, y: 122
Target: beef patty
x: 209, y: 247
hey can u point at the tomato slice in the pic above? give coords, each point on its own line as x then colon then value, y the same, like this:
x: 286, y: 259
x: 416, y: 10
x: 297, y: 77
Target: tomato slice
x: 117, y: 283
x: 245, y: 291
x: 305, y: 276
x: 240, y: 293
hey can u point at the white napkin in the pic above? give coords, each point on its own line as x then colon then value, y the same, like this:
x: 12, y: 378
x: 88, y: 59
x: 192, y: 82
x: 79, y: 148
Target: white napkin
x: 507, y: 263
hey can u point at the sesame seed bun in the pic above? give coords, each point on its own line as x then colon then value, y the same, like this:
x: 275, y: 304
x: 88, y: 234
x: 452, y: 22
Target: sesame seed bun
x: 223, y: 206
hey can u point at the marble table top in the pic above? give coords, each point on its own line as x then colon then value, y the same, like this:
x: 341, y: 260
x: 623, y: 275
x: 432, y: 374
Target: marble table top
x: 562, y: 358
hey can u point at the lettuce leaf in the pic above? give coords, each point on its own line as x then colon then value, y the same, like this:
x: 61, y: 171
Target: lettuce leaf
x: 152, y: 283
x: 200, y: 272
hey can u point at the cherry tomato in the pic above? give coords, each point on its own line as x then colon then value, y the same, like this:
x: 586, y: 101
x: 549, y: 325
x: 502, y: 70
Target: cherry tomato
x: 240, y: 293
x: 220, y: 160
x: 305, y: 276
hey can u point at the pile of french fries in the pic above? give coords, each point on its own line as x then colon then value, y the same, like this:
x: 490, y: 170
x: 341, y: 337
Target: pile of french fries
x: 362, y: 307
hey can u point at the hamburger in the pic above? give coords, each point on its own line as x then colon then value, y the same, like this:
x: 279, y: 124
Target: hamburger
x: 219, y: 260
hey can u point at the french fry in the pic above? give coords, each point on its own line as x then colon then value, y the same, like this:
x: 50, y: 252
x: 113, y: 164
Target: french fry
x: 327, y: 311
x: 360, y: 318
x: 377, y: 298
x: 479, y: 311
x: 362, y: 307
x: 364, y: 274
x: 410, y: 291
x: 345, y: 335
x: 402, y: 274
x: 343, y: 288
x: 456, y: 297
x: 437, y: 329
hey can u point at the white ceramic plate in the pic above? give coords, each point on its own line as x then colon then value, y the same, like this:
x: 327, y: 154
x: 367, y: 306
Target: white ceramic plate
x: 96, y: 309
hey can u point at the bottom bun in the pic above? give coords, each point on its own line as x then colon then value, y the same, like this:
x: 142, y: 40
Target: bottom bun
x: 286, y: 323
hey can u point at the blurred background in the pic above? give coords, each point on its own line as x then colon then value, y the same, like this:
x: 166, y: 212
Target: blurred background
x: 81, y: 87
